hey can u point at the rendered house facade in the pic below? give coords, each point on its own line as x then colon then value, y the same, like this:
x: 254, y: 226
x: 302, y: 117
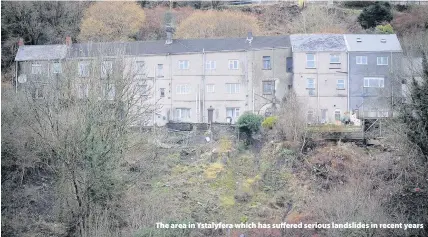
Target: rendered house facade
x: 375, y: 67
x: 185, y: 78
x: 320, y: 76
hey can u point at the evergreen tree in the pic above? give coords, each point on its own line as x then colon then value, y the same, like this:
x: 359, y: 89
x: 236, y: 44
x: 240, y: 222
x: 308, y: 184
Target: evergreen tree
x: 415, y: 114
x: 375, y: 14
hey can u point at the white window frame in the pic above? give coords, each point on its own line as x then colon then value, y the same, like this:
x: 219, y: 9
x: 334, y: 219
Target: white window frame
x: 337, y: 112
x: 233, y: 64
x: 82, y: 90
x: 181, y: 115
x: 310, y: 86
x: 369, y: 80
x: 380, y: 61
x: 311, y: 60
x: 232, y: 88
x: 56, y: 67
x: 139, y: 67
x: 361, y: 60
x: 272, y: 86
x: 81, y: 66
x: 333, y: 57
x: 36, y: 68
x: 183, y: 89
x: 109, y: 91
x: 235, y: 111
x: 340, y: 82
x: 183, y: 64
x: 106, y: 68
x: 210, y: 65
x: 210, y: 88
x: 159, y: 69
x: 267, y: 63
x: 310, y: 118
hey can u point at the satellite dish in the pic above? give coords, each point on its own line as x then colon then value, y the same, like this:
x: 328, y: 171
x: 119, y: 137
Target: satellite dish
x: 22, y: 78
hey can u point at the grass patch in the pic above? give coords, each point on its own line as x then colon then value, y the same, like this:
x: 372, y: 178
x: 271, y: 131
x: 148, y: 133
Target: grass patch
x: 227, y: 201
x: 213, y: 169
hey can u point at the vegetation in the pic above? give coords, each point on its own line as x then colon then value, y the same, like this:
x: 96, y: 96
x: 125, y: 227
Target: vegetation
x: 385, y: 29
x: 269, y: 122
x: 375, y: 14
x: 217, y: 24
x: 122, y: 23
x: 249, y: 123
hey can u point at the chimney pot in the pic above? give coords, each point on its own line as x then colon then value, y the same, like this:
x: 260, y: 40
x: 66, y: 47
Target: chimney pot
x: 68, y: 41
x: 250, y: 37
x: 168, y: 37
x: 21, y: 42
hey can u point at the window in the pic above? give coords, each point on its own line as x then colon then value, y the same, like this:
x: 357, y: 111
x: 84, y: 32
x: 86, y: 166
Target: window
x: 183, y: 89
x: 337, y: 115
x: 361, y: 59
x: 106, y: 69
x: 139, y: 67
x: 268, y: 87
x: 334, y: 58
x: 310, y: 60
x: 182, y: 113
x: 289, y: 63
x: 233, y: 64
x: 144, y: 91
x: 82, y: 91
x: 159, y: 72
x: 232, y: 88
x: 340, y: 84
x: 83, y: 68
x: 183, y: 64
x: 374, y: 82
x: 324, y: 115
x: 266, y: 63
x: 38, y: 92
x: 108, y: 91
x: 36, y: 68
x: 210, y: 88
x: 210, y: 65
x: 310, y: 86
x: 56, y: 67
x: 310, y: 116
x: 382, y: 60
x: 232, y: 113
x: 162, y: 92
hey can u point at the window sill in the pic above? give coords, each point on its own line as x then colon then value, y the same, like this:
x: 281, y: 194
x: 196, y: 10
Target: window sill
x: 382, y: 64
x: 340, y: 89
x: 311, y: 68
x: 267, y: 69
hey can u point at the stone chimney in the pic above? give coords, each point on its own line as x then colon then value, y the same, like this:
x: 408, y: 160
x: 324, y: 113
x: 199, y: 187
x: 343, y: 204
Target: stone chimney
x: 21, y: 42
x: 250, y: 37
x: 169, y: 32
x: 68, y: 41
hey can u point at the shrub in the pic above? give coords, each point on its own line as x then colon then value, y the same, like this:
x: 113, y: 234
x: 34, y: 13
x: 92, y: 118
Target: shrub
x: 374, y: 15
x: 385, y: 29
x: 269, y: 122
x: 249, y: 123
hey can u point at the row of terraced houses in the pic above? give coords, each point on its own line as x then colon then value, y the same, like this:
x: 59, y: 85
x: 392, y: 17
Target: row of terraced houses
x: 216, y: 80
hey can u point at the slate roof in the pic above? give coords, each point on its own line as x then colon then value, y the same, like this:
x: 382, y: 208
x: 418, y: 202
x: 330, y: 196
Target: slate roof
x: 372, y: 43
x: 41, y: 52
x: 317, y: 42
x: 47, y: 52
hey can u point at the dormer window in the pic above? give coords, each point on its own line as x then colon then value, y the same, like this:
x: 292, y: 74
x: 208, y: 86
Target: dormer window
x: 359, y: 40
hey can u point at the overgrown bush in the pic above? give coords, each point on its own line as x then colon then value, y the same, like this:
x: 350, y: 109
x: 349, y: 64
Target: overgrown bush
x: 269, y: 122
x: 385, y: 29
x: 249, y: 123
x: 374, y: 15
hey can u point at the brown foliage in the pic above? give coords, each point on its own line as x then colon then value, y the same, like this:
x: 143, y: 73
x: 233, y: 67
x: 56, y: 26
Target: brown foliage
x: 111, y: 21
x: 416, y: 19
x: 217, y: 24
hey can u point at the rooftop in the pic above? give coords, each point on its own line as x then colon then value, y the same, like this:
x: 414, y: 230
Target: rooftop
x: 372, y: 43
x: 317, y: 42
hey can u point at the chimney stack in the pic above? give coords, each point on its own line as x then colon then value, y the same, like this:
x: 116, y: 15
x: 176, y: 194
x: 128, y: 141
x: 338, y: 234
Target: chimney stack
x: 250, y: 37
x: 68, y: 40
x: 169, y: 31
x: 21, y: 42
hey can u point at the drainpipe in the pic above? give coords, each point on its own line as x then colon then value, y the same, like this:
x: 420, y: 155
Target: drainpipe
x: 392, y: 86
x: 154, y: 99
x: 318, y: 87
x: 203, y: 84
x: 349, y: 92
x: 16, y: 77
